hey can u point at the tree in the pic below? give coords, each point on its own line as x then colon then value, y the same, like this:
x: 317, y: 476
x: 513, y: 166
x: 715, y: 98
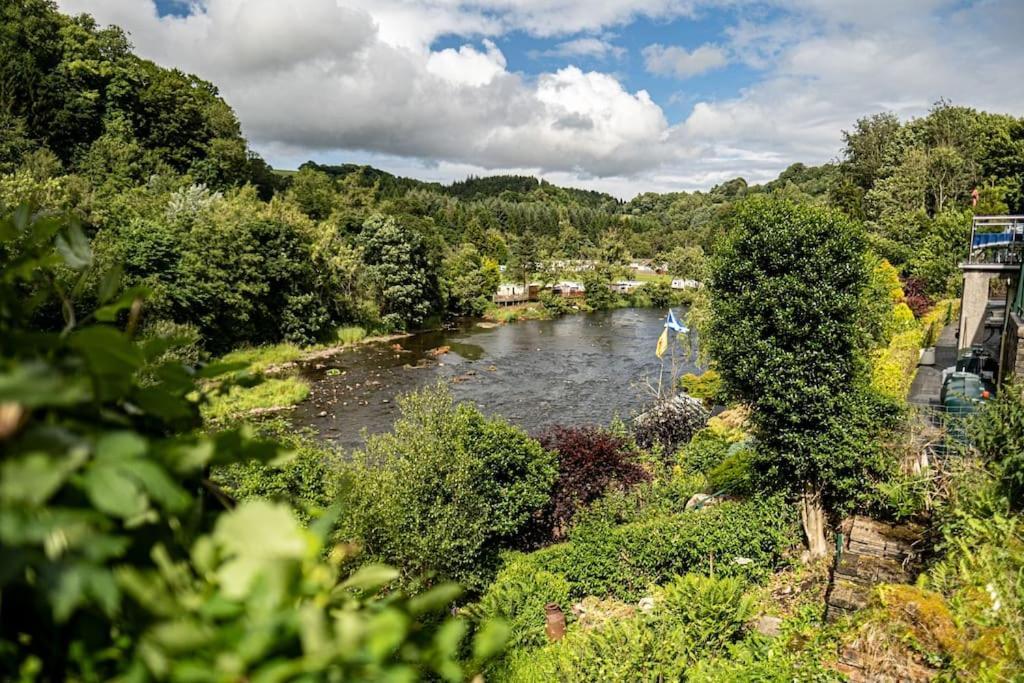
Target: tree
x: 867, y: 146
x: 687, y: 262
x: 400, y: 274
x: 470, y: 280
x: 785, y: 296
x: 313, y: 191
x: 524, y: 259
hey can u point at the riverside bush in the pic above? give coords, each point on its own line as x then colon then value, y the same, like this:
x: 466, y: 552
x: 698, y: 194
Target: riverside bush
x: 305, y: 477
x: 443, y: 493
x: 604, y: 558
x: 707, y: 386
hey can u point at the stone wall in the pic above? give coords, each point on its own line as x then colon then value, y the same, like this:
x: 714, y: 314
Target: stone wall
x: 1013, y: 349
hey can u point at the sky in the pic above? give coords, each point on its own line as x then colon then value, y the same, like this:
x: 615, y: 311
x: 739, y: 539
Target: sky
x: 622, y: 96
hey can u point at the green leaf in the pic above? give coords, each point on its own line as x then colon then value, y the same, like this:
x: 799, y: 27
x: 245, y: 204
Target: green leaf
x: 371, y: 577
x: 21, y: 217
x: 36, y: 384
x: 158, y: 484
x: 74, y: 247
x: 120, y: 446
x: 109, y: 312
x: 113, y: 492
x: 34, y: 477
x: 257, y: 534
x: 436, y: 599
x: 449, y: 636
x: 490, y: 639
x: 386, y: 631
x: 110, y: 283
x: 111, y: 357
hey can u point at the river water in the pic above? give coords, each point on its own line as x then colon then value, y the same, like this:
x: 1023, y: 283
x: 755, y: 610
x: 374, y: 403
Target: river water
x: 577, y: 369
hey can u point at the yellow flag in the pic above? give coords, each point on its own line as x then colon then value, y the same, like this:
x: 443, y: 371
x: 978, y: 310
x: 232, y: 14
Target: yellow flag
x: 662, y: 344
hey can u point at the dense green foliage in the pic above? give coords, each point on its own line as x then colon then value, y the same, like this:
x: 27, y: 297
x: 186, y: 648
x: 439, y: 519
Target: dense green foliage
x: 787, y: 339
x: 605, y: 556
x: 121, y: 557
x: 443, y: 493
x: 690, y: 615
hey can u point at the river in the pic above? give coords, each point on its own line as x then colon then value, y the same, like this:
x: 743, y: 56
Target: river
x: 577, y: 369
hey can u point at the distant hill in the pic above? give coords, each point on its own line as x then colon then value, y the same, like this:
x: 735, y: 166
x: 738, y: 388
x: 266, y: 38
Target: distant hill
x: 515, y: 188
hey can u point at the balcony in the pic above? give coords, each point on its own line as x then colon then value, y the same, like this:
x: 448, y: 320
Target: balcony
x: 997, y: 240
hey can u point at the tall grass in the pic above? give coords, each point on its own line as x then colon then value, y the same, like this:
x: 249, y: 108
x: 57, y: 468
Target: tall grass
x: 350, y: 335
x: 271, y: 394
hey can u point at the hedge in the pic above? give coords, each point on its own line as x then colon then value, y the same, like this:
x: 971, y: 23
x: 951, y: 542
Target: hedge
x: 894, y: 366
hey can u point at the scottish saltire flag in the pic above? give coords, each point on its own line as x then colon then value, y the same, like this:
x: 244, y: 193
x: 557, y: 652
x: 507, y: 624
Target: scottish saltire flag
x: 674, y: 324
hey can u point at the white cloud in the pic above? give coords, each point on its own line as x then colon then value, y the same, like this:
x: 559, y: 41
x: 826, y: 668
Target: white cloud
x: 467, y: 66
x: 676, y: 61
x: 590, y: 47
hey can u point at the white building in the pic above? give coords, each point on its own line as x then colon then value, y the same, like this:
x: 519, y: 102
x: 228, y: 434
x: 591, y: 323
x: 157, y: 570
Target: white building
x: 686, y: 284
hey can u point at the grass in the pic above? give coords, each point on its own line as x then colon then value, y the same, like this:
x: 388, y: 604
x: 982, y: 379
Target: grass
x: 350, y: 335
x: 271, y: 394
x: 259, y: 358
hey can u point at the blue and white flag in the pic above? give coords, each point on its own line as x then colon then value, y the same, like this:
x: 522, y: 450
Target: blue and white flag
x: 674, y: 324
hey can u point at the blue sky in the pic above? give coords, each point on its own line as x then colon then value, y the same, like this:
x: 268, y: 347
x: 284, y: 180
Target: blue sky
x: 618, y: 95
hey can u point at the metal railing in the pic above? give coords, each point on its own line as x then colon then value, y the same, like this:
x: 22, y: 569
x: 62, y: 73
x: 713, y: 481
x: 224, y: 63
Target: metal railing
x: 999, y: 251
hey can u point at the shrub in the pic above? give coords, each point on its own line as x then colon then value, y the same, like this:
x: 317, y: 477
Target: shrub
x: 707, y: 386
x: 305, y: 478
x: 691, y: 615
x: 518, y: 596
x: 998, y: 434
x: 605, y: 558
x: 443, y: 493
x: 621, y: 651
x: 761, y: 660
x: 932, y: 322
x: 591, y: 461
x: 184, y: 342
x: 735, y: 474
x: 713, y: 610
x: 555, y: 304
x: 916, y: 296
x: 709, y: 447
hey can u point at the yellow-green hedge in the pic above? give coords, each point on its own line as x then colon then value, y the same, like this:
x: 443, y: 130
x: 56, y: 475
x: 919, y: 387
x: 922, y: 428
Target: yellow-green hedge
x: 894, y: 366
x: 932, y: 322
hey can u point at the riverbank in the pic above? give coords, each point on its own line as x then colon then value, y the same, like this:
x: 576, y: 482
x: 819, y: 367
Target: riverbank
x: 282, y: 387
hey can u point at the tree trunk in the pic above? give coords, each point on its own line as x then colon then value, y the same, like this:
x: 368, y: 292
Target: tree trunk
x: 812, y: 515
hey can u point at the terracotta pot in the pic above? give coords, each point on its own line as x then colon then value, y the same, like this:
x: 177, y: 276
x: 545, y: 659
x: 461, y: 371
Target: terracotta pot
x: 554, y: 621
